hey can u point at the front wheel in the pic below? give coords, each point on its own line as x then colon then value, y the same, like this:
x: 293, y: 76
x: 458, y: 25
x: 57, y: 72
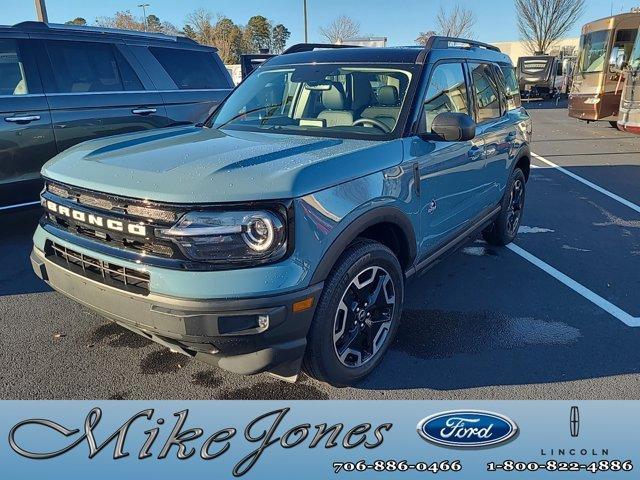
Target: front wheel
x: 505, y: 227
x: 357, y: 315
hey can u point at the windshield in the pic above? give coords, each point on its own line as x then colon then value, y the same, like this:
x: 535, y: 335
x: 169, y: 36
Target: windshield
x: 593, y: 51
x: 330, y: 100
x: 634, y: 60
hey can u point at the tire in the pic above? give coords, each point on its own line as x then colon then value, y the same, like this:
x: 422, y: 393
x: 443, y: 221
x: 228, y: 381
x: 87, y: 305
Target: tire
x: 614, y: 124
x: 504, y: 228
x: 336, y: 312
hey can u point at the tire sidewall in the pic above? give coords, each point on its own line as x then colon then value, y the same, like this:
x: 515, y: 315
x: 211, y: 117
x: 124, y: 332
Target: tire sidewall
x: 374, y: 254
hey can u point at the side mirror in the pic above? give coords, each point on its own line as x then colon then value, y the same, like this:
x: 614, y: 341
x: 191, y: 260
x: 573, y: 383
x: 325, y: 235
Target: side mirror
x: 454, y: 127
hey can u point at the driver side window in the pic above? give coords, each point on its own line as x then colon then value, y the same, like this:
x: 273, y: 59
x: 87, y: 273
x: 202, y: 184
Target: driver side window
x: 447, y: 92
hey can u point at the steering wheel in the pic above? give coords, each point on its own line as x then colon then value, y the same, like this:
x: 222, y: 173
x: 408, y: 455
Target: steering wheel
x: 372, y: 121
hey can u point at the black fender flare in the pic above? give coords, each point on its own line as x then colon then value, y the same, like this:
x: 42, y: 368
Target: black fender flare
x: 524, y: 152
x: 385, y: 214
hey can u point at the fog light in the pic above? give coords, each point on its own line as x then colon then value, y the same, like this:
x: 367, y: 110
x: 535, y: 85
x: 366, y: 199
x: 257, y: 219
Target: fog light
x: 263, y: 322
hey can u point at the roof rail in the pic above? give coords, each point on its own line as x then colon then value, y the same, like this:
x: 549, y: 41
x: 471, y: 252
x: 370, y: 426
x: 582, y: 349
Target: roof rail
x: 33, y: 25
x: 309, y: 47
x: 437, y: 41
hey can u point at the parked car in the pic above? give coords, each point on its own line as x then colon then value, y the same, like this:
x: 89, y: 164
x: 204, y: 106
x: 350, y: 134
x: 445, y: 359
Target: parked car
x: 281, y: 233
x: 63, y: 84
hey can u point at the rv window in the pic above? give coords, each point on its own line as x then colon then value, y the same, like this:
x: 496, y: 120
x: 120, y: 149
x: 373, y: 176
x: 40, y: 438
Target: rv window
x: 593, y: 51
x: 623, y: 44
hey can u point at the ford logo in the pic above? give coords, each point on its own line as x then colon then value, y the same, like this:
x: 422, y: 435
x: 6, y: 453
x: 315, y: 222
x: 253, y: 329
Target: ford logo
x: 467, y: 428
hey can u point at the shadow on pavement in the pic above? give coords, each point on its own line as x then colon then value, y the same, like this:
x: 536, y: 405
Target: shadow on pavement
x: 16, y: 275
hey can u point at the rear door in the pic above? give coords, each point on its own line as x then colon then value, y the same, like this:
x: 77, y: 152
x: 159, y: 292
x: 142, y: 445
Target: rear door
x: 93, y: 91
x: 26, y: 135
x: 192, y: 81
x: 495, y: 128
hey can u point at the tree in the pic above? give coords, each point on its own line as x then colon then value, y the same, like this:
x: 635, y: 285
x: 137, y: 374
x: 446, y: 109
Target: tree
x: 424, y: 37
x: 542, y: 22
x: 76, y: 21
x: 458, y: 22
x: 153, y: 23
x: 258, y: 34
x: 341, y: 29
x: 223, y: 34
x: 279, y: 36
x: 125, y: 20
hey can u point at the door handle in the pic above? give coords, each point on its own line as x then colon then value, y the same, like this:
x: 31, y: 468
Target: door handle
x: 23, y: 119
x: 143, y: 111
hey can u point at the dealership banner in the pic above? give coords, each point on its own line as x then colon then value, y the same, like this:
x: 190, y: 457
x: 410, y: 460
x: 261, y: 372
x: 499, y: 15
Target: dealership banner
x: 320, y: 439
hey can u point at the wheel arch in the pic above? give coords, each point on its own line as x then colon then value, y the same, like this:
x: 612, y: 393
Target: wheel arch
x: 388, y: 225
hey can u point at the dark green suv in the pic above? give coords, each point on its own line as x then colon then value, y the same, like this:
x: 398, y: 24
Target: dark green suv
x: 63, y: 84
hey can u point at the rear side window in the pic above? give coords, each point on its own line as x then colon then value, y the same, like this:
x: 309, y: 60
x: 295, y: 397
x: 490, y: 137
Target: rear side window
x: 447, y: 92
x: 190, y: 69
x: 511, y: 87
x: 13, y: 80
x: 84, y: 67
x: 486, y: 92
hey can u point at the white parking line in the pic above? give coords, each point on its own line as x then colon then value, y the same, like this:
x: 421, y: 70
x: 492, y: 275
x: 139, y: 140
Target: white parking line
x: 604, y: 191
x: 593, y: 297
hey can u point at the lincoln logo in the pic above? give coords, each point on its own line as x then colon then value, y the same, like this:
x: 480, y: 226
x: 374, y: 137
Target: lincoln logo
x: 574, y: 421
x: 98, y: 221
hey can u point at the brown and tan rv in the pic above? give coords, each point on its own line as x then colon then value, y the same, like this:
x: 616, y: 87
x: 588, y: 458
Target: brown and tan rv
x: 598, y: 80
x: 629, y: 116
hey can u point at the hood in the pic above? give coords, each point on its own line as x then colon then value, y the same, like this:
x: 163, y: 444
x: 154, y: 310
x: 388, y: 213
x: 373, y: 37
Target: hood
x: 202, y: 165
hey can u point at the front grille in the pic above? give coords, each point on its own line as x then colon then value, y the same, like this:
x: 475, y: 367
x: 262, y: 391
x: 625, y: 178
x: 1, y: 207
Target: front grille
x: 108, y: 273
x: 86, y: 203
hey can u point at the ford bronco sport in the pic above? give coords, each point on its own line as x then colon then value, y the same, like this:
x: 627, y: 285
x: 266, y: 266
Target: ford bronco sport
x: 279, y: 235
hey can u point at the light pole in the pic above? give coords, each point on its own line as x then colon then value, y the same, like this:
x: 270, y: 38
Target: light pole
x: 306, y: 36
x: 41, y: 11
x: 144, y: 14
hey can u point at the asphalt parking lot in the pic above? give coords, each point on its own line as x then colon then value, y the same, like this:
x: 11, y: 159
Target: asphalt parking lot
x: 551, y: 318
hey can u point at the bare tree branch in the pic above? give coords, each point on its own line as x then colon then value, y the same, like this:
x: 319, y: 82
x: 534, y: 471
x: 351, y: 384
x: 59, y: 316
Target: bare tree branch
x: 458, y: 22
x: 543, y: 22
x: 341, y: 29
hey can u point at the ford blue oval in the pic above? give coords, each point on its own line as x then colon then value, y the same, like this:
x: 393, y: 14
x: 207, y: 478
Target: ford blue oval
x: 467, y: 428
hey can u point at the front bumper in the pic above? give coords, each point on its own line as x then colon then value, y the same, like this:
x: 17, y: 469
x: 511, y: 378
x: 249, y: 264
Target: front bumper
x: 225, y: 333
x: 606, y: 107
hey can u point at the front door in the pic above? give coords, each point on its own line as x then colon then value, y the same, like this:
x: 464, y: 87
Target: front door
x: 450, y: 172
x: 26, y: 136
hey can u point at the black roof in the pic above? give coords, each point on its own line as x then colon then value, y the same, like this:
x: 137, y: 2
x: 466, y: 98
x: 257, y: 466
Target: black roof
x: 32, y: 27
x: 441, y: 46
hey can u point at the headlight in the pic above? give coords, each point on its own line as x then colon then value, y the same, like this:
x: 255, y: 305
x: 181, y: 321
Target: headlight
x: 232, y: 237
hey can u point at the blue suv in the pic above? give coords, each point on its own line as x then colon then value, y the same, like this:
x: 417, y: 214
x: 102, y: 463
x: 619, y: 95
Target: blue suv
x: 279, y: 235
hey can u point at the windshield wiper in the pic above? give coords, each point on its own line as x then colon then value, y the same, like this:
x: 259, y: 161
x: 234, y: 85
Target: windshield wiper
x: 241, y: 114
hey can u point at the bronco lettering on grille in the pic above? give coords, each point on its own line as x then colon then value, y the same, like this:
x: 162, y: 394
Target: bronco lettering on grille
x: 98, y: 221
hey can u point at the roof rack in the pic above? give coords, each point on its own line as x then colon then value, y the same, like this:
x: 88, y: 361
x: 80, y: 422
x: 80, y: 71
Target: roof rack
x: 437, y: 41
x: 33, y: 25
x: 309, y: 47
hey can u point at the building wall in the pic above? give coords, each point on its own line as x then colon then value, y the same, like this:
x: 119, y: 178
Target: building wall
x: 517, y: 49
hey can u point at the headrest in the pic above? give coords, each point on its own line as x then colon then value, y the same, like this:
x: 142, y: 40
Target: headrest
x: 388, y: 96
x: 334, y: 98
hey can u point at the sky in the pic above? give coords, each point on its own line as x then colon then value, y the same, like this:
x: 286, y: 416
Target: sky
x: 399, y: 20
